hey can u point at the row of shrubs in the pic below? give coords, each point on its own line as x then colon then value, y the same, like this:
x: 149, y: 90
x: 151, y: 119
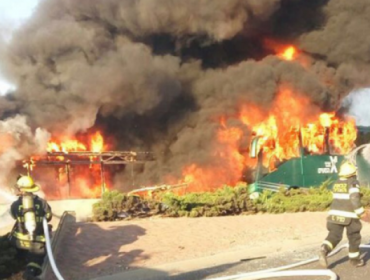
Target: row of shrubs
x: 116, y: 205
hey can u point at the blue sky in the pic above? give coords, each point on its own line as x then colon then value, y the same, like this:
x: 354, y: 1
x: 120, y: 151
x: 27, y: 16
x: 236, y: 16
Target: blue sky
x: 16, y: 10
x: 12, y: 14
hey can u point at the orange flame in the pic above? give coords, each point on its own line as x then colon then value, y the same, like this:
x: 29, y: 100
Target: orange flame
x: 289, y: 53
x: 284, y: 51
x: 291, y: 122
x: 287, y: 124
x: 87, y: 179
x: 326, y: 119
x: 66, y: 146
x: 96, y: 144
x: 207, y: 178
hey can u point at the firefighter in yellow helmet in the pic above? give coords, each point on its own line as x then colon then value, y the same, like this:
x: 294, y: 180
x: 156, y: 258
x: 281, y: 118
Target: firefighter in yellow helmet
x: 28, y: 235
x: 345, y: 212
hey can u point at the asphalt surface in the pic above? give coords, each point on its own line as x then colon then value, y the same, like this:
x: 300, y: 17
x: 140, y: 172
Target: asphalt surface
x: 207, y: 269
x: 338, y: 263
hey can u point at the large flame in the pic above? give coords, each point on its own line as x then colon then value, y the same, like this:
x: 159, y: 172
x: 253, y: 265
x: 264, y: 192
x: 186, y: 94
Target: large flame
x: 85, y: 181
x: 204, y: 178
x: 66, y: 146
x: 290, y: 123
x: 95, y: 144
x: 282, y: 130
x: 286, y: 126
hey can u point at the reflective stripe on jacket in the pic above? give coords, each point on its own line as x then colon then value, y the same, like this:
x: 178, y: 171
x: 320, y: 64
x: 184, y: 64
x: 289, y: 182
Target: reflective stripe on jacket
x: 26, y: 237
x: 42, y: 209
x: 346, y: 203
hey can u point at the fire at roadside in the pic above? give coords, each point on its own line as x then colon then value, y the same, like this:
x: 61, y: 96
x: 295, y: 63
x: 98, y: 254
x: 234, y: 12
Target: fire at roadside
x: 80, y: 170
x: 84, y: 171
x: 190, y: 91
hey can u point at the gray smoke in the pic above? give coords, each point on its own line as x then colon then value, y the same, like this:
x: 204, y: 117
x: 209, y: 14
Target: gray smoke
x: 343, y: 43
x: 17, y: 142
x: 156, y: 75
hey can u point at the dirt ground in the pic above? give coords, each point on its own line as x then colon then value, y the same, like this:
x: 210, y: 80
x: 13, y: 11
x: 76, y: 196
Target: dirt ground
x: 100, y: 248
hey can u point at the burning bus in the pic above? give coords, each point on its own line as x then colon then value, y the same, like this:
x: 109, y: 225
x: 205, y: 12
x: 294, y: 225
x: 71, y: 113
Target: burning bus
x: 292, y: 144
x: 305, y: 156
x: 289, y: 147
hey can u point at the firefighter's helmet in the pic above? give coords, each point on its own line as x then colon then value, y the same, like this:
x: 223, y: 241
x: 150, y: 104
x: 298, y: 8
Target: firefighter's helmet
x: 347, y: 169
x: 26, y: 184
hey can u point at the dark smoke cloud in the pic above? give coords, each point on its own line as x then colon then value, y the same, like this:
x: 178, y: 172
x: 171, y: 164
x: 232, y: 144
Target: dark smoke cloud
x: 70, y: 89
x: 157, y: 75
x: 344, y: 38
x: 343, y: 42
x: 218, y: 20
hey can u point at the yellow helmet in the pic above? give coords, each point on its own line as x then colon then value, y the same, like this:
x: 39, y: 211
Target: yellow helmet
x: 347, y: 169
x: 26, y: 184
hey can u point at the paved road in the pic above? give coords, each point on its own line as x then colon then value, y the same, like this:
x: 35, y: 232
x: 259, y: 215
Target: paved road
x: 338, y: 263
x: 87, y: 249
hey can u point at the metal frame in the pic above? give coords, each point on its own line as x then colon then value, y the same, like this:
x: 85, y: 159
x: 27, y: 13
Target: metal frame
x: 88, y: 158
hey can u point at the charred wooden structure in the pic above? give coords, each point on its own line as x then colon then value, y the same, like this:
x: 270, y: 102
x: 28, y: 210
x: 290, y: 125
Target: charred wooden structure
x: 102, y: 159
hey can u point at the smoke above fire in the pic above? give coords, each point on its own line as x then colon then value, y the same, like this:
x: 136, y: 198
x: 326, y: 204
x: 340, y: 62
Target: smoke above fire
x: 18, y: 141
x: 174, y: 77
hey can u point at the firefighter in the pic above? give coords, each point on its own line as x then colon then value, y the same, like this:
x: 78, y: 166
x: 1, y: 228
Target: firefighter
x: 345, y: 212
x: 28, y: 234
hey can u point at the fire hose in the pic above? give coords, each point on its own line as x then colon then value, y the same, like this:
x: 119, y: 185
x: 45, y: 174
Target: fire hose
x: 50, y: 251
x: 278, y: 271
x: 262, y: 274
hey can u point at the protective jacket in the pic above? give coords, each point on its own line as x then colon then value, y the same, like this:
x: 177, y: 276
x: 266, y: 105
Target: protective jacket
x: 42, y: 209
x: 346, y: 203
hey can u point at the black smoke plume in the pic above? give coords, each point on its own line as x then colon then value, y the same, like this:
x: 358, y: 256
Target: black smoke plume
x: 155, y: 75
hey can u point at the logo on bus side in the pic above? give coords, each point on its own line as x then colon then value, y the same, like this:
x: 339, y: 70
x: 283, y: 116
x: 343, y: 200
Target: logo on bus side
x: 330, y: 166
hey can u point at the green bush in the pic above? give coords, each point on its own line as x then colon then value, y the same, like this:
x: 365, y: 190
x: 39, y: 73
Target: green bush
x: 294, y: 200
x: 365, y: 196
x: 115, y: 205
x: 225, y: 201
